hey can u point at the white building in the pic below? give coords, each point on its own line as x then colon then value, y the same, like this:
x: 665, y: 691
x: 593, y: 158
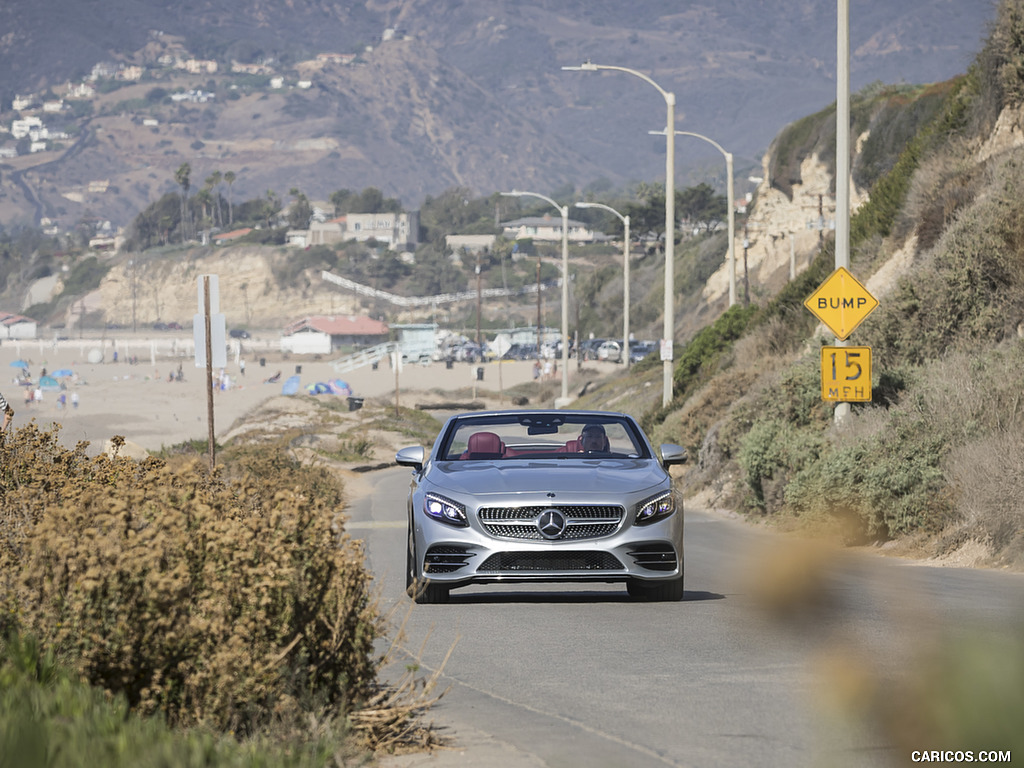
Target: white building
x: 21, y: 128
x: 547, y: 228
x: 390, y: 229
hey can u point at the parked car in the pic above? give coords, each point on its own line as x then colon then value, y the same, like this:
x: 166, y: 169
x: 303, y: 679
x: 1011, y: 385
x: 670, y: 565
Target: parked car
x: 611, y: 351
x: 589, y: 348
x: 638, y: 350
x: 238, y: 333
x: 543, y: 496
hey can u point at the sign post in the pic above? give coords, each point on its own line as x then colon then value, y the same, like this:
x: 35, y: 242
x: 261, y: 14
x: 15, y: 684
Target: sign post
x: 210, y: 348
x: 842, y: 304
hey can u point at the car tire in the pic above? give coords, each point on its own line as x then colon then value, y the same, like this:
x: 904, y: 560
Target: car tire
x: 670, y: 591
x: 423, y: 592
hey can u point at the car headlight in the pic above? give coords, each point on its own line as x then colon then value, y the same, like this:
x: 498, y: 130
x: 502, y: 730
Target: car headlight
x: 444, y: 510
x: 656, y: 508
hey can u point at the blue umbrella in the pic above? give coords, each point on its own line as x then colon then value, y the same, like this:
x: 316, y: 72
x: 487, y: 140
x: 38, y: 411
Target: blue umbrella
x: 19, y: 364
x: 63, y: 372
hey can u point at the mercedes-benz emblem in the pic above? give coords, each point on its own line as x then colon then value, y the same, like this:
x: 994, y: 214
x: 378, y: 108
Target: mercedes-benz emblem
x: 551, y: 523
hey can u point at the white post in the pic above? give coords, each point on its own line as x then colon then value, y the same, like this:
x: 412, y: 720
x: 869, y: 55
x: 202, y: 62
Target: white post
x: 565, y: 307
x: 731, y: 202
x: 625, y: 269
x: 670, y: 248
x: 670, y: 218
x: 625, y: 288
x: 842, y: 241
x: 564, y: 211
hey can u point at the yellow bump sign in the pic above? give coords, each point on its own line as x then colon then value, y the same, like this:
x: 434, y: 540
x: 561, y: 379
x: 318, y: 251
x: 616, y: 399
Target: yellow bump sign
x: 841, y: 303
x: 846, y: 374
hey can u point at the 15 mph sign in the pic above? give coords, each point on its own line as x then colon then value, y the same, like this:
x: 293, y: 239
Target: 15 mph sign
x: 846, y: 374
x: 841, y: 303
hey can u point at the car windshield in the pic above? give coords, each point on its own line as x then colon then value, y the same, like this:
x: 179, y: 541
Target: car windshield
x: 542, y: 435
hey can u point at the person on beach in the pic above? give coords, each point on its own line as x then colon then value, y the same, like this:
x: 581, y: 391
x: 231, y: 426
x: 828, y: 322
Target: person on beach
x: 8, y: 412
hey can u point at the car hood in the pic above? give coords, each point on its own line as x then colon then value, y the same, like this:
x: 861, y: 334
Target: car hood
x: 580, y: 477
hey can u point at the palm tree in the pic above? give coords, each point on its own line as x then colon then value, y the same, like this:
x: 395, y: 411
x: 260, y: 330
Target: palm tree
x: 213, y: 182
x: 229, y: 179
x: 204, y: 198
x: 182, y: 177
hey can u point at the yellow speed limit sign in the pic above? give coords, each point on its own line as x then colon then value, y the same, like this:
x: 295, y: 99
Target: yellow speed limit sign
x: 846, y: 374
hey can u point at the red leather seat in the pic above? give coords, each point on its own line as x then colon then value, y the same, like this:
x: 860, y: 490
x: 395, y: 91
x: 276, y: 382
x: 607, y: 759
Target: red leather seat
x: 484, y: 445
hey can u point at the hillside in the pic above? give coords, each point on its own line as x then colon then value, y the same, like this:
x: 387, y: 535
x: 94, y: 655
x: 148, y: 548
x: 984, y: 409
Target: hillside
x: 439, y: 95
x: 933, y: 464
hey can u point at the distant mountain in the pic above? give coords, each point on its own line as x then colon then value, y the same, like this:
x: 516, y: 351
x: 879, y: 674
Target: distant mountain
x: 443, y: 93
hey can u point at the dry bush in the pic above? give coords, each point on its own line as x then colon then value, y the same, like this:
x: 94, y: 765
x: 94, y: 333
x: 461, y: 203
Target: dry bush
x: 989, y: 477
x: 236, y: 605
x: 945, y: 184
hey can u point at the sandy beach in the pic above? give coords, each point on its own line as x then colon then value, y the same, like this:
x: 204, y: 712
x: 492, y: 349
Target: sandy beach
x: 137, y: 401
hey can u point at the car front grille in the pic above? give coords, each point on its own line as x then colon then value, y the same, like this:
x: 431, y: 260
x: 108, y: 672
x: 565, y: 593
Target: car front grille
x: 550, y: 561
x: 582, y: 521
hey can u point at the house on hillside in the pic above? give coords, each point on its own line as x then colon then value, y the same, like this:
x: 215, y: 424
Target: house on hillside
x: 549, y: 229
x: 395, y: 230
x: 226, y: 238
x: 17, y: 326
x: 472, y: 244
x: 323, y: 334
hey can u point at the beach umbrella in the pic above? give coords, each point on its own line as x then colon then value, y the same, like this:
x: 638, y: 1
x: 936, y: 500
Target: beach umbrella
x: 19, y: 364
x: 63, y: 373
x: 340, y: 387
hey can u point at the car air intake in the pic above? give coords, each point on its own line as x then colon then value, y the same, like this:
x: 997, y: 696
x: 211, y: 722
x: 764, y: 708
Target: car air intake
x: 445, y: 559
x: 550, y: 561
x: 654, y: 557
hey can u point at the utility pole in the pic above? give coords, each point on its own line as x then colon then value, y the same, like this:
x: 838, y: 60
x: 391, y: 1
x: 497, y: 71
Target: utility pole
x: 538, y: 306
x: 746, y: 277
x: 479, y: 345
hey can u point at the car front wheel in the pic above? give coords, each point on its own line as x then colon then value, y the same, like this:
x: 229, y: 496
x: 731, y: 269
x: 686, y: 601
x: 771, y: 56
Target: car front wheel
x: 669, y: 591
x: 423, y: 592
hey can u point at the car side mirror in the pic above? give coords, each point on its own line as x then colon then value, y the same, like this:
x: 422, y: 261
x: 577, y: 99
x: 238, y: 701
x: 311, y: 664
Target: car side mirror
x: 672, y: 454
x: 412, y: 456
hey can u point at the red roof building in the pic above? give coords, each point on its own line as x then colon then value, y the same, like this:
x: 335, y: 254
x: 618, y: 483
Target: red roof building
x: 324, y: 333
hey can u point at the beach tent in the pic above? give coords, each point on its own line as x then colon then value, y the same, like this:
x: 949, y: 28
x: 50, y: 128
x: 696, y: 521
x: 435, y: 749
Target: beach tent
x: 340, y: 387
x: 291, y: 385
x: 318, y: 389
x: 48, y: 383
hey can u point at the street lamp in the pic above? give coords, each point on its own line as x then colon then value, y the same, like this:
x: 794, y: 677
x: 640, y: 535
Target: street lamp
x: 625, y: 271
x: 564, y: 211
x: 732, y: 208
x: 670, y: 217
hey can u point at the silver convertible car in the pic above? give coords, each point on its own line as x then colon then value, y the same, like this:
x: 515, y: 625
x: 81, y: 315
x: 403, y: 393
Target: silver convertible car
x: 543, y: 496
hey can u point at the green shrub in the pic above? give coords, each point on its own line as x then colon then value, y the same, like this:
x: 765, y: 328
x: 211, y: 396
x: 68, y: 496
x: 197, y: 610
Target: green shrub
x: 787, y: 435
x: 48, y: 719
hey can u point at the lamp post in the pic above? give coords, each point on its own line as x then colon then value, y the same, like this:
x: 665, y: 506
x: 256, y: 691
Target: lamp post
x: 564, y: 211
x: 625, y: 271
x: 670, y: 217
x: 732, y: 207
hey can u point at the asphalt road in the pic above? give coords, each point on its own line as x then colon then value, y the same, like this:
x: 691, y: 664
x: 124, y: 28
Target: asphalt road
x: 746, y: 670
